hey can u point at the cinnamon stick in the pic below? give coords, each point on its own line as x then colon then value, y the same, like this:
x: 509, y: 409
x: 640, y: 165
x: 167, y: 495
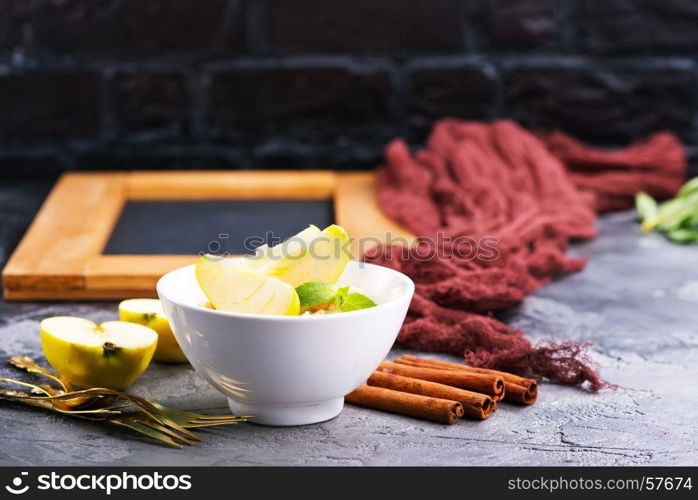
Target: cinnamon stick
x: 437, y: 410
x: 517, y: 389
x: 508, y: 377
x: 476, y: 382
x: 474, y: 404
x: 520, y: 394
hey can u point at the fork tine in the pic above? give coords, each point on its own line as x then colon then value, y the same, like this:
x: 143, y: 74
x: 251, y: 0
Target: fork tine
x: 196, y: 425
x: 118, y: 407
x: 161, y: 417
x: 147, y: 431
x: 97, y: 411
x: 186, y: 419
x: 222, y: 418
x: 193, y: 415
x: 166, y: 423
x: 216, y: 421
x: 169, y: 432
x: 219, y: 417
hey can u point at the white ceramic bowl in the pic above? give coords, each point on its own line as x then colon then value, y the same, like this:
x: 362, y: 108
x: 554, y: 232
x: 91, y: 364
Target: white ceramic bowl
x: 288, y: 370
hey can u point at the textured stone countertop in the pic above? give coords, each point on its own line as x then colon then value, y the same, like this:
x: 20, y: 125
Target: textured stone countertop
x: 637, y: 301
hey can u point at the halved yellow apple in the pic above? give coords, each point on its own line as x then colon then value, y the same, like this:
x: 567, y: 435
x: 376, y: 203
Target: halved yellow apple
x: 233, y: 285
x: 149, y: 312
x: 311, y: 255
x: 112, y: 355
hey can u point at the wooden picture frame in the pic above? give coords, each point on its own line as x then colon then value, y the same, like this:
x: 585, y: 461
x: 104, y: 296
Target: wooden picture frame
x: 60, y: 256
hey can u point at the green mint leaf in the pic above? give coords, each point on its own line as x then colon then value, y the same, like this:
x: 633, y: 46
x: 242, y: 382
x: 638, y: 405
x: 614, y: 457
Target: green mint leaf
x: 342, y: 296
x: 354, y: 301
x: 316, y: 295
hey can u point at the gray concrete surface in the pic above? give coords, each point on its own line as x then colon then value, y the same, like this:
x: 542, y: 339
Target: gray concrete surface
x: 637, y: 301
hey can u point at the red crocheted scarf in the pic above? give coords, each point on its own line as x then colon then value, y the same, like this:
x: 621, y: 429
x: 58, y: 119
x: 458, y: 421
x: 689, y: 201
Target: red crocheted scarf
x: 531, y: 194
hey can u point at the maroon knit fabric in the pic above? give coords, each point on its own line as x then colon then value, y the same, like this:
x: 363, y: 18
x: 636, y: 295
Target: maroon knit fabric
x: 657, y: 166
x: 533, y: 194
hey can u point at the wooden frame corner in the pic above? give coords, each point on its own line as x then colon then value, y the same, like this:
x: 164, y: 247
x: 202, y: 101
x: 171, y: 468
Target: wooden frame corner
x: 60, y: 256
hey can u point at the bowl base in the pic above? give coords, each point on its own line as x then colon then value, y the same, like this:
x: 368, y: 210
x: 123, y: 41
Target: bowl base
x: 286, y: 415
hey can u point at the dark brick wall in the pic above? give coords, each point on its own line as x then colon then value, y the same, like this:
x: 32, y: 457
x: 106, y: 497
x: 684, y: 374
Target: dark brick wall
x: 120, y: 84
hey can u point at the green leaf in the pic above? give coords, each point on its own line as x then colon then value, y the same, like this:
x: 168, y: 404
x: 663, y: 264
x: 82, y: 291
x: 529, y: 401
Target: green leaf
x: 683, y: 235
x: 316, y: 295
x: 676, y: 218
x: 674, y: 213
x: 689, y: 188
x: 692, y: 221
x: 646, y: 211
x: 352, y: 301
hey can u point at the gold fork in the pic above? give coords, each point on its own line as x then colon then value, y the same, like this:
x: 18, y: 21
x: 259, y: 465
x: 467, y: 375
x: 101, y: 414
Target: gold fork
x: 190, y: 419
x: 152, y: 419
x: 182, y: 418
x: 138, y: 426
x: 139, y: 421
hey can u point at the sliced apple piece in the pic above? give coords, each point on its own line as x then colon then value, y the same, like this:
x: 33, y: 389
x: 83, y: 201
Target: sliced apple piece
x: 311, y: 255
x: 233, y: 285
x: 285, y: 253
x: 149, y: 312
x: 112, y: 355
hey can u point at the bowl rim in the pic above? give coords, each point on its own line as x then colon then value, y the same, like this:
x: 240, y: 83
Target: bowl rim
x: 409, y: 291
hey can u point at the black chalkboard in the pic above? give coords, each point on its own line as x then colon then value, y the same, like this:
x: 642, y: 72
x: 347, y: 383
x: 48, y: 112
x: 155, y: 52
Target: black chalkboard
x: 190, y: 227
